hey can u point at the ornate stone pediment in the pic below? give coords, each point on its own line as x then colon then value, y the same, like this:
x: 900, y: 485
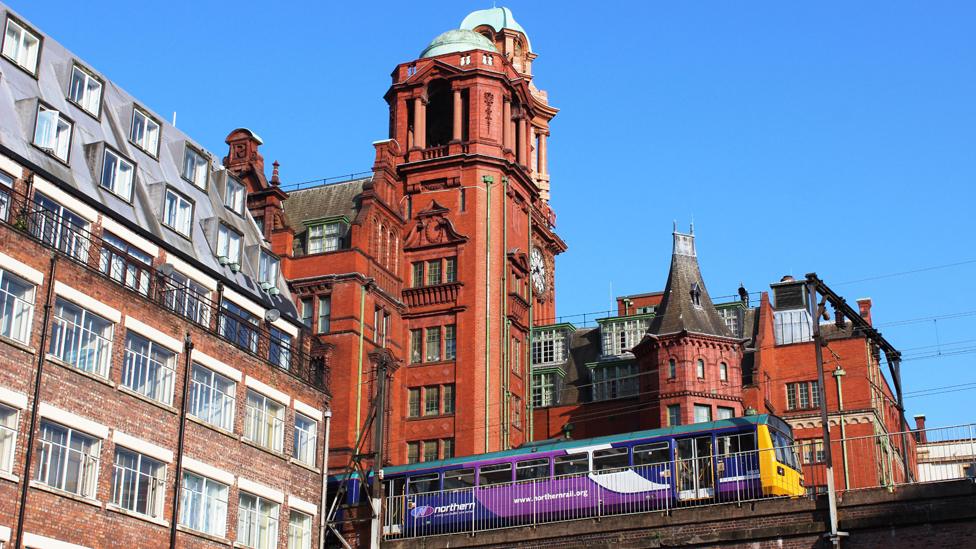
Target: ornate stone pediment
x: 432, y: 228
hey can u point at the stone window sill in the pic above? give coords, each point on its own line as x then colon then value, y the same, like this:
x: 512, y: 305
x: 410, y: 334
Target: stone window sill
x: 219, y: 539
x: 18, y: 344
x: 144, y: 398
x: 304, y: 465
x: 116, y: 509
x: 9, y: 476
x: 104, y: 381
x: 264, y: 449
x: 213, y: 427
x: 45, y: 488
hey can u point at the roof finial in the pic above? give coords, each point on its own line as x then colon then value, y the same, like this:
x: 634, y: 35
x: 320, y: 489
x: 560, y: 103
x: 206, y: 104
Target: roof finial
x: 675, y: 222
x: 274, y: 174
x: 692, y: 224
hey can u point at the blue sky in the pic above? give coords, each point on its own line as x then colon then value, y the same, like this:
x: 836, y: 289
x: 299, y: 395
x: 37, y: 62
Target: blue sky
x: 836, y: 137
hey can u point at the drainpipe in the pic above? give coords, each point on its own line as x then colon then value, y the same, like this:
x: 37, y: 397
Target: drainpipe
x: 29, y: 453
x: 839, y: 374
x: 505, y: 329
x: 359, y: 367
x: 325, y: 479
x: 181, y: 438
x: 488, y: 181
x: 528, y: 347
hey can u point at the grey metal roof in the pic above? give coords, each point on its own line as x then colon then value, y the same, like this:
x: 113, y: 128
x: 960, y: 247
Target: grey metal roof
x: 677, y: 313
x: 20, y: 94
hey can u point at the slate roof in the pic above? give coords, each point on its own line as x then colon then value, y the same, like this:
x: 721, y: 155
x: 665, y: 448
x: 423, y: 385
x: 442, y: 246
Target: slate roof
x: 79, y: 177
x: 677, y: 313
x: 334, y: 200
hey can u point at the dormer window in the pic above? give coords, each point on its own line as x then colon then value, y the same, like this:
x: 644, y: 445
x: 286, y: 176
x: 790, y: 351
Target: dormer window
x: 229, y: 246
x: 85, y: 90
x: 177, y: 212
x: 117, y: 175
x: 195, y: 167
x: 268, y: 271
x: 234, y: 196
x: 21, y: 45
x: 52, y: 132
x: 696, y: 295
x: 324, y: 237
x: 144, y: 132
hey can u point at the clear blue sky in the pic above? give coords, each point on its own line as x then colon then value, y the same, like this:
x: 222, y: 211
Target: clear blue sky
x: 836, y: 137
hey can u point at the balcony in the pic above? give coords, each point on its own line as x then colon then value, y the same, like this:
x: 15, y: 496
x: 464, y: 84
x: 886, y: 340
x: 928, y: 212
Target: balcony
x: 90, y: 251
x: 424, y: 296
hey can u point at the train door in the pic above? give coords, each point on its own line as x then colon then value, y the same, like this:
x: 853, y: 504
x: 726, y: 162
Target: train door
x: 395, y: 491
x: 693, y: 457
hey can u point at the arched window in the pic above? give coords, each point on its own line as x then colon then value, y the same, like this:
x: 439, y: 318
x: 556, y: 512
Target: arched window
x: 723, y: 371
x: 700, y: 366
x: 440, y: 113
x: 672, y: 368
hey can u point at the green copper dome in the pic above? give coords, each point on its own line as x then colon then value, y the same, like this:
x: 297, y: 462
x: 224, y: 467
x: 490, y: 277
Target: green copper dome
x: 496, y: 18
x: 457, y: 40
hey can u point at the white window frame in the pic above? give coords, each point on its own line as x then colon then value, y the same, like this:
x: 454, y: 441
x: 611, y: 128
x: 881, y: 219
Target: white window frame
x: 306, y: 439
x: 621, y: 335
x: 151, y: 132
x: 229, y: 243
x: 119, y: 180
x: 53, y: 132
x: 300, y: 530
x: 60, y: 227
x: 196, y: 167
x: 323, y: 322
x: 83, y: 464
x: 235, y: 195
x: 178, y: 212
x: 548, y: 347
x: 9, y: 422
x: 268, y: 270
x: 279, y: 348
x: 264, y: 421
x: 22, y: 45
x: 703, y: 413
x: 209, y: 514
x: 543, y: 389
x: 257, y: 528
x: 188, y: 298
x: 16, y: 312
x: 324, y: 237
x: 6, y: 185
x: 145, y: 374
x: 212, y: 397
x: 75, y: 343
x: 85, y: 90
x: 134, y: 487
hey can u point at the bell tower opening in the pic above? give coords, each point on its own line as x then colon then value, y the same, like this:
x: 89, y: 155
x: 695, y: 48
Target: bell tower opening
x: 440, y: 113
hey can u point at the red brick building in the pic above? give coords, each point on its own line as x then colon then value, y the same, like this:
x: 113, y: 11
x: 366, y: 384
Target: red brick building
x: 150, y: 352
x: 439, y: 259
x: 674, y: 357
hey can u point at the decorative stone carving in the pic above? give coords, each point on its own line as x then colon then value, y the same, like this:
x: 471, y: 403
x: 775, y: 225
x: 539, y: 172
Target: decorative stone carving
x: 432, y: 228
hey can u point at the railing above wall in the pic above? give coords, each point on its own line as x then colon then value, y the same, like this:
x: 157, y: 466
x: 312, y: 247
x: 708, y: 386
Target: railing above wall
x: 82, y: 247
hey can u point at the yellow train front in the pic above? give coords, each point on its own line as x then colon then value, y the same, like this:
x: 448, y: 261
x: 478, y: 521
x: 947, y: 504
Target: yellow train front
x: 779, y: 467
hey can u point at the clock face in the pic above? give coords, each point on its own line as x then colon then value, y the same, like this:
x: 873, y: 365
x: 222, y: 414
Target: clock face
x: 537, y: 270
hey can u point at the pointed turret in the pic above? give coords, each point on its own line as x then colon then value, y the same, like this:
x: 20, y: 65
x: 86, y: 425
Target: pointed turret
x: 686, y: 305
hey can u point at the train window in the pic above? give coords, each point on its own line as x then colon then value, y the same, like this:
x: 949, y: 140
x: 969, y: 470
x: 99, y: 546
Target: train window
x: 611, y: 458
x: 458, y: 479
x: 735, y: 444
x: 785, y: 452
x: 651, y: 454
x: 424, y: 483
x: 495, y: 474
x: 570, y: 465
x: 532, y: 469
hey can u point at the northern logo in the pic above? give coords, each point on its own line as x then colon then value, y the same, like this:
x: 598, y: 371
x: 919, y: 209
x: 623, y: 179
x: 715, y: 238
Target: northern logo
x: 422, y: 511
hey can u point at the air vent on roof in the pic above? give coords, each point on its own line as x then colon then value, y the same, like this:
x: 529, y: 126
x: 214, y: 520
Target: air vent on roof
x: 789, y: 295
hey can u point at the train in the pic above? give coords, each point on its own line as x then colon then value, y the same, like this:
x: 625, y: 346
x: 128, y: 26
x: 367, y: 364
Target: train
x: 735, y: 459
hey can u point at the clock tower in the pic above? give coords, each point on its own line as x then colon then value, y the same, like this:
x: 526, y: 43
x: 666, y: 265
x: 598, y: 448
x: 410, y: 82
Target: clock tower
x: 466, y: 166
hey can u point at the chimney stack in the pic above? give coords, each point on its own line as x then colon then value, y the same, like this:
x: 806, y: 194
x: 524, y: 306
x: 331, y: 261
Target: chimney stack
x: 920, y: 435
x: 864, y: 307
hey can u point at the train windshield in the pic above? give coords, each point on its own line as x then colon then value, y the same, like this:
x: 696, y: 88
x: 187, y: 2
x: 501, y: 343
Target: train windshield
x: 737, y: 444
x: 785, y: 452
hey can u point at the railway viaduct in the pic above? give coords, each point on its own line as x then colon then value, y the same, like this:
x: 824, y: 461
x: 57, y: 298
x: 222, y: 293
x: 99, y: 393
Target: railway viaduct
x: 914, y: 516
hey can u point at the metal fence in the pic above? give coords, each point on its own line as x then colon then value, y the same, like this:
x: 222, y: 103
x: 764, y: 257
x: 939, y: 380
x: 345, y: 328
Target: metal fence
x: 715, y: 478
x: 59, y: 231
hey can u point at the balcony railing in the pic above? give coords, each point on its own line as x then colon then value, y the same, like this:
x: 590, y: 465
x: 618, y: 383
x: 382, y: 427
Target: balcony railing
x: 92, y: 252
x: 431, y: 295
